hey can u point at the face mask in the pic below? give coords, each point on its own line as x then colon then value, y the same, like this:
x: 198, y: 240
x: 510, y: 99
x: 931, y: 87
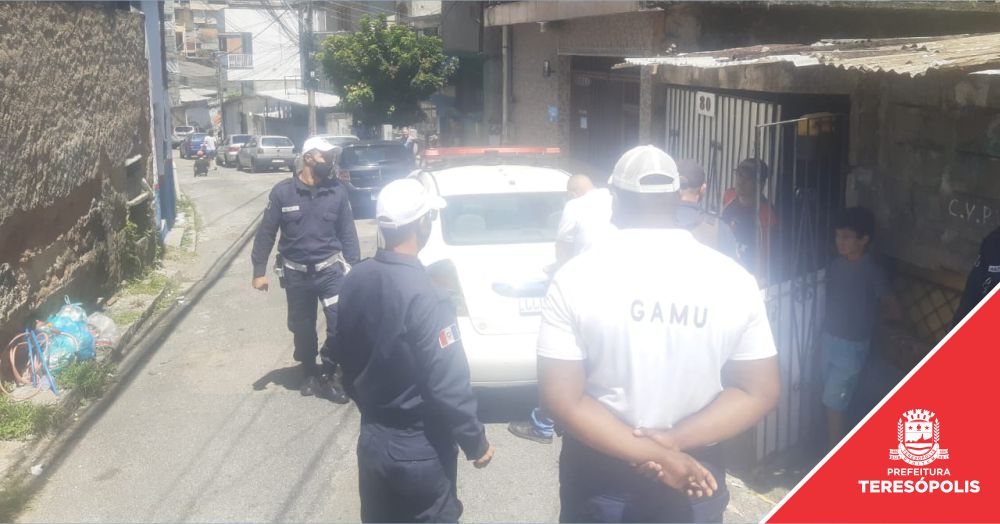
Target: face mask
x: 424, y: 232
x: 322, y: 170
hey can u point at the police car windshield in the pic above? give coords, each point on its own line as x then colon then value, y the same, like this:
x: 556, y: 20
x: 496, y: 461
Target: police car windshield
x: 505, y: 218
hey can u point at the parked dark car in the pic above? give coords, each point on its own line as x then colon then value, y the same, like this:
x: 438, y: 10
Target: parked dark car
x: 226, y: 154
x: 191, y: 144
x: 340, y: 140
x: 372, y: 165
x: 268, y: 153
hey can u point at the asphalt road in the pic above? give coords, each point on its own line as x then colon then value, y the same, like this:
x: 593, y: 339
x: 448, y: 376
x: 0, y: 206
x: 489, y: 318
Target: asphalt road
x: 212, y: 427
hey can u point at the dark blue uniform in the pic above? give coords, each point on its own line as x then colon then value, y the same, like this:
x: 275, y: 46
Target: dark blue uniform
x: 316, y: 224
x: 404, y: 365
x: 985, y: 276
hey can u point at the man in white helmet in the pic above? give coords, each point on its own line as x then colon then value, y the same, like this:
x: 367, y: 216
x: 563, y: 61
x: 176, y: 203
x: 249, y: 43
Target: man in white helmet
x: 653, y: 348
x: 404, y: 365
x: 318, y: 245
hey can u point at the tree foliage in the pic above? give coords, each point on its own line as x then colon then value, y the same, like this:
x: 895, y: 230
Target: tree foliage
x: 383, y: 72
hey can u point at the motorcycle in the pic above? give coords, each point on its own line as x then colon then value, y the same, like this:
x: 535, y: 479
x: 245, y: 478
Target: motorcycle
x: 201, y: 166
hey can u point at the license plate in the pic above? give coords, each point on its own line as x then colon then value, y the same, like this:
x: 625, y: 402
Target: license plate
x: 277, y: 161
x: 530, y: 305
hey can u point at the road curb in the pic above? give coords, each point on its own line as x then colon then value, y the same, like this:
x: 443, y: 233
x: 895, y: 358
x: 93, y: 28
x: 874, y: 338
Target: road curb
x: 147, y: 337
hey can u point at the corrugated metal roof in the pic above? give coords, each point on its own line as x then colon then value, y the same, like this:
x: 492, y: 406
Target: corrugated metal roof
x: 302, y: 98
x: 190, y: 94
x: 903, y: 56
x: 195, y: 69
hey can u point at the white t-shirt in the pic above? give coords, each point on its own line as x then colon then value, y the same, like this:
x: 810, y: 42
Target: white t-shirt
x: 210, y: 142
x: 585, y: 220
x: 655, y: 314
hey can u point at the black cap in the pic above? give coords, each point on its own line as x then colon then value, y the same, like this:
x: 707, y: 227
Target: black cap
x: 692, y: 175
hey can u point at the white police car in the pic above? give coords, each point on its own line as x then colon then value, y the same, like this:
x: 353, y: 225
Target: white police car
x: 489, y: 247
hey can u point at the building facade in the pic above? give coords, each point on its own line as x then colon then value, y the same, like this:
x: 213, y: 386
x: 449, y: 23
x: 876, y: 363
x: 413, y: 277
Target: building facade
x: 77, y: 213
x: 890, y: 105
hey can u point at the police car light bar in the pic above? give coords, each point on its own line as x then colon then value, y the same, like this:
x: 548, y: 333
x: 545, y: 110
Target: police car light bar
x: 452, y: 152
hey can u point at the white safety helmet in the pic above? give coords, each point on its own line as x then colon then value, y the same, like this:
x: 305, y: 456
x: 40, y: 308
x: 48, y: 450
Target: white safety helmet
x: 404, y: 201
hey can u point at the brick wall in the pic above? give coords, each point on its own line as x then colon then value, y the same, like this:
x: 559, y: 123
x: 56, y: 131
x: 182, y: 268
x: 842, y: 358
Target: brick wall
x: 531, y: 92
x: 930, y: 166
x: 621, y: 35
x: 74, y: 105
x: 629, y: 34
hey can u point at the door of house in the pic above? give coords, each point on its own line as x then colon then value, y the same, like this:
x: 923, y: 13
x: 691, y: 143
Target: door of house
x: 805, y: 160
x: 603, y: 120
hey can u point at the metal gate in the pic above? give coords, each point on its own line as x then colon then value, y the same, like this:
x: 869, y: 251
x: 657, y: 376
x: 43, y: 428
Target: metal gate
x: 718, y: 131
x: 806, y: 160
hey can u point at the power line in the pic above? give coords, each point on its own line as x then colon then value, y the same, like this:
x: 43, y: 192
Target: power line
x: 355, y: 13
x: 369, y: 8
x: 292, y: 34
x: 259, y: 33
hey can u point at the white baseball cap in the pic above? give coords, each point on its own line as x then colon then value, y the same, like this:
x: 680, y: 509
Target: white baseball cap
x: 317, y: 143
x: 641, y: 162
x: 404, y: 201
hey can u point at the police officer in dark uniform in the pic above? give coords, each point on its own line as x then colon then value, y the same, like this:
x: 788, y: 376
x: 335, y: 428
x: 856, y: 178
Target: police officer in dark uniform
x: 985, y: 276
x: 318, y: 245
x: 404, y: 365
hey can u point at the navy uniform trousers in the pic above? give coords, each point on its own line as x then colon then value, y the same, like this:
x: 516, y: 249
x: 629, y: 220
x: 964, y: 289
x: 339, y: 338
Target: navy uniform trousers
x: 403, y: 477
x: 594, y: 487
x: 303, y: 291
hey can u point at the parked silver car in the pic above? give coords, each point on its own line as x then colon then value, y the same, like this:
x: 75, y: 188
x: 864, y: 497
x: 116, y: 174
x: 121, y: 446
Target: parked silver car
x: 226, y: 153
x: 267, y: 152
x: 179, y: 134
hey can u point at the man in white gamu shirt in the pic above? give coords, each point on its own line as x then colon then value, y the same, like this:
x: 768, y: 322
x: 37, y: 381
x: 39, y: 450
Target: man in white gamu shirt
x: 653, y: 349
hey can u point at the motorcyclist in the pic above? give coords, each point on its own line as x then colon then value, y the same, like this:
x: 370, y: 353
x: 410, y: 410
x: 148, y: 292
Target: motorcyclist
x: 201, y: 165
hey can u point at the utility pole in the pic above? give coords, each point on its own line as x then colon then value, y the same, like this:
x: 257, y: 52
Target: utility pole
x: 222, y: 100
x: 309, y: 78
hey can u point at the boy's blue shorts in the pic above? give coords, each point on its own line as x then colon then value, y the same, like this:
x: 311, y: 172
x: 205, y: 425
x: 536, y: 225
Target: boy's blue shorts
x: 842, y: 363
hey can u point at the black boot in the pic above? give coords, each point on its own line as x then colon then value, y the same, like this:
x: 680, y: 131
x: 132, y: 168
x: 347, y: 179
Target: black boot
x: 328, y: 387
x: 310, y: 382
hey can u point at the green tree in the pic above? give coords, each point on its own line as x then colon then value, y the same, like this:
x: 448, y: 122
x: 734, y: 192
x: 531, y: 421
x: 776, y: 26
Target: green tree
x: 382, y: 72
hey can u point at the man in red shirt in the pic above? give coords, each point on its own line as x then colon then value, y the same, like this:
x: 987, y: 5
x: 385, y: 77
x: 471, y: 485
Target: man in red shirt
x: 750, y: 215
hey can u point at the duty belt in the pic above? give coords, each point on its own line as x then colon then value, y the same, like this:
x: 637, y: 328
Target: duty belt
x: 320, y: 266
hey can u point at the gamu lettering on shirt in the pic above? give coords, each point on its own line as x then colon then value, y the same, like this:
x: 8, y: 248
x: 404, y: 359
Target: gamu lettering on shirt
x: 674, y: 314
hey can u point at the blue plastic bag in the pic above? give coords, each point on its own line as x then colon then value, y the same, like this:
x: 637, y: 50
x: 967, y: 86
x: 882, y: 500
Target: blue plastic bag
x: 79, y: 345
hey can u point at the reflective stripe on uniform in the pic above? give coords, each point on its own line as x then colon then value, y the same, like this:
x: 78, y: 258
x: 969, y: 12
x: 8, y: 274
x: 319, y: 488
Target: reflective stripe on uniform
x: 337, y: 258
x: 327, y: 302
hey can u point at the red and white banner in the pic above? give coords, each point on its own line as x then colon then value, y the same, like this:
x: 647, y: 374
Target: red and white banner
x: 929, y: 452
